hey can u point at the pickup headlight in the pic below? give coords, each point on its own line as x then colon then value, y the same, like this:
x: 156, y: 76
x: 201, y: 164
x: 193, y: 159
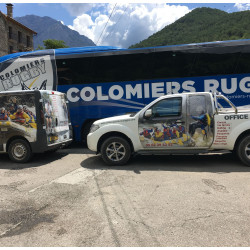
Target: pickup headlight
x: 93, y: 128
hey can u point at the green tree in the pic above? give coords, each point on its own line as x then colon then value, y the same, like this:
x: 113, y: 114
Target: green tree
x: 54, y: 44
x: 39, y: 47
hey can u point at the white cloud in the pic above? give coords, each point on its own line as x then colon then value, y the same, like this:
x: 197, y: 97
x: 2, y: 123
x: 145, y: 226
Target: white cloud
x: 77, y: 9
x: 242, y: 6
x: 129, y: 23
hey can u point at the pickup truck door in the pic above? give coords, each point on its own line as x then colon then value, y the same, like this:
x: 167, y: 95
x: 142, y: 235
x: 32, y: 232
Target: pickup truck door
x: 200, y: 120
x: 166, y: 126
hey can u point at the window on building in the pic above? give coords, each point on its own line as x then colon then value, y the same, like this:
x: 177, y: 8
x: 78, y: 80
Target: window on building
x: 28, y: 41
x: 10, y: 33
x: 19, y: 37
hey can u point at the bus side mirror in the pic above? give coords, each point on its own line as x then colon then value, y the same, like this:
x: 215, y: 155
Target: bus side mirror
x: 148, y: 113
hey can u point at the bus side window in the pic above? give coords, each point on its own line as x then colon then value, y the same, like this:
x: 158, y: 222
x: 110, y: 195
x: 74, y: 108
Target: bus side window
x: 216, y: 61
x: 75, y: 70
x: 243, y: 65
x: 172, y: 64
x: 115, y: 68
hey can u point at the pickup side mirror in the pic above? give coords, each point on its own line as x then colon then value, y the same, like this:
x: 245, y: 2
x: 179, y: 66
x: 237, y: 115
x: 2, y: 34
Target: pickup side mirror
x: 148, y: 113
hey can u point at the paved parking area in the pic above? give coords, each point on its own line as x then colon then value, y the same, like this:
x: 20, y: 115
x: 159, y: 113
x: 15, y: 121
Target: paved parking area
x: 70, y: 198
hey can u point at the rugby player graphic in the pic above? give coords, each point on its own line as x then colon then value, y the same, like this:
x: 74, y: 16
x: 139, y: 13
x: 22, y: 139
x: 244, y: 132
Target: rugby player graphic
x: 42, y: 86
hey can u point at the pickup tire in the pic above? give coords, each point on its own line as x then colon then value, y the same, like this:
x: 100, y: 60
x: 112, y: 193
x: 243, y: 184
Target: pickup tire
x: 19, y: 151
x: 243, y: 150
x: 115, y: 151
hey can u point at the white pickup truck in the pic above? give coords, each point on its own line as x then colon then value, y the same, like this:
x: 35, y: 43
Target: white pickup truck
x: 187, y: 123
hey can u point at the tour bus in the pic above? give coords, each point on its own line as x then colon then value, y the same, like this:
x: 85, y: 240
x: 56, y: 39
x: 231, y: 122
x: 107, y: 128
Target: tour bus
x: 107, y: 81
x: 33, y: 121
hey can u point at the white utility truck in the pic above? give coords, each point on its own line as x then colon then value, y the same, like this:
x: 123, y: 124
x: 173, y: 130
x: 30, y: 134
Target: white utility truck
x: 187, y: 123
x: 33, y: 121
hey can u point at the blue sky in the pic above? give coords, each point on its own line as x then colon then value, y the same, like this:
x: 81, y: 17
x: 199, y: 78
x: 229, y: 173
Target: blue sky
x: 129, y: 23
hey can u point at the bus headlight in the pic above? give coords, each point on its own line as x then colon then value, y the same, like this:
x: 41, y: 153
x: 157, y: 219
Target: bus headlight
x: 93, y: 128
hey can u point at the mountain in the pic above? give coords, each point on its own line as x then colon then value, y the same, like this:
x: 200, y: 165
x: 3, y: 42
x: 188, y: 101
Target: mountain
x: 201, y: 25
x: 49, y: 28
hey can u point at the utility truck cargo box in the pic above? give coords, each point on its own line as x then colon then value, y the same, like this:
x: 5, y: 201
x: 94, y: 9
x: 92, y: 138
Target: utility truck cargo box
x: 33, y: 121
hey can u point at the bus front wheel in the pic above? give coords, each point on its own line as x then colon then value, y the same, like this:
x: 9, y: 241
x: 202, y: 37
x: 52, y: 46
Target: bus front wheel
x: 115, y: 151
x: 19, y: 151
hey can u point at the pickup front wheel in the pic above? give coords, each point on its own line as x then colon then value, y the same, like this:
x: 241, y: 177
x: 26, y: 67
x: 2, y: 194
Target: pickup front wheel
x: 115, y: 151
x: 243, y: 150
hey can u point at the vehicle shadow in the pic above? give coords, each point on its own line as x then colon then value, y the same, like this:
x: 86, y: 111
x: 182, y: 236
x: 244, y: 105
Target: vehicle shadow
x: 43, y: 158
x: 214, y: 163
x: 37, y: 160
x: 78, y: 148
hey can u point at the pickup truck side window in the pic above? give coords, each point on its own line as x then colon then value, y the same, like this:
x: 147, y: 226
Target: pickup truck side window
x: 197, y: 104
x: 167, y: 108
x: 200, y: 121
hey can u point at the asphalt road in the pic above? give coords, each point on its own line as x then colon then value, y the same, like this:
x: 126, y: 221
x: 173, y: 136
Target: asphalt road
x: 70, y: 198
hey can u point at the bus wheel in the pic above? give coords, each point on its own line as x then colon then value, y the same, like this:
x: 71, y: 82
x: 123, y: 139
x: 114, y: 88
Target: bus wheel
x: 19, y: 151
x: 115, y: 151
x: 243, y: 150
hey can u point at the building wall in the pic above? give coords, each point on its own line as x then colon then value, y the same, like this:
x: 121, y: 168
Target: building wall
x: 12, y: 43
x: 21, y: 45
x: 3, y: 37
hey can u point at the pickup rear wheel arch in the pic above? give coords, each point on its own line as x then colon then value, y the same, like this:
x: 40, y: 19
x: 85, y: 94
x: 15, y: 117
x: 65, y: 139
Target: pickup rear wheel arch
x: 111, y: 134
x: 240, y: 138
x: 243, y: 150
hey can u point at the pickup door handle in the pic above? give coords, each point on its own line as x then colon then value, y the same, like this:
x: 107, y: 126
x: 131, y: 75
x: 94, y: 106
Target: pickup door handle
x: 181, y: 122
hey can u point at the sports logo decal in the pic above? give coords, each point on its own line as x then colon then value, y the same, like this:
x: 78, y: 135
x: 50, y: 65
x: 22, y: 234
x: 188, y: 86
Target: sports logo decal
x: 30, y: 71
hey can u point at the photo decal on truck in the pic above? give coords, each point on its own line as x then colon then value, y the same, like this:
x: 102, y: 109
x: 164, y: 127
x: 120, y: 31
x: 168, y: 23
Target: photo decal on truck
x: 18, y: 117
x: 173, y: 134
x: 164, y: 135
x: 200, y: 130
x: 55, y: 115
x: 28, y: 72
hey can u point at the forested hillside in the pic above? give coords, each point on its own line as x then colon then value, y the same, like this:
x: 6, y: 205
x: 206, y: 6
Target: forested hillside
x: 202, y: 25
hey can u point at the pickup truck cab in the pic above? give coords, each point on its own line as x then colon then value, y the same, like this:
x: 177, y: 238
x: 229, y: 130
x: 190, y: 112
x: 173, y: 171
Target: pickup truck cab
x: 187, y: 123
